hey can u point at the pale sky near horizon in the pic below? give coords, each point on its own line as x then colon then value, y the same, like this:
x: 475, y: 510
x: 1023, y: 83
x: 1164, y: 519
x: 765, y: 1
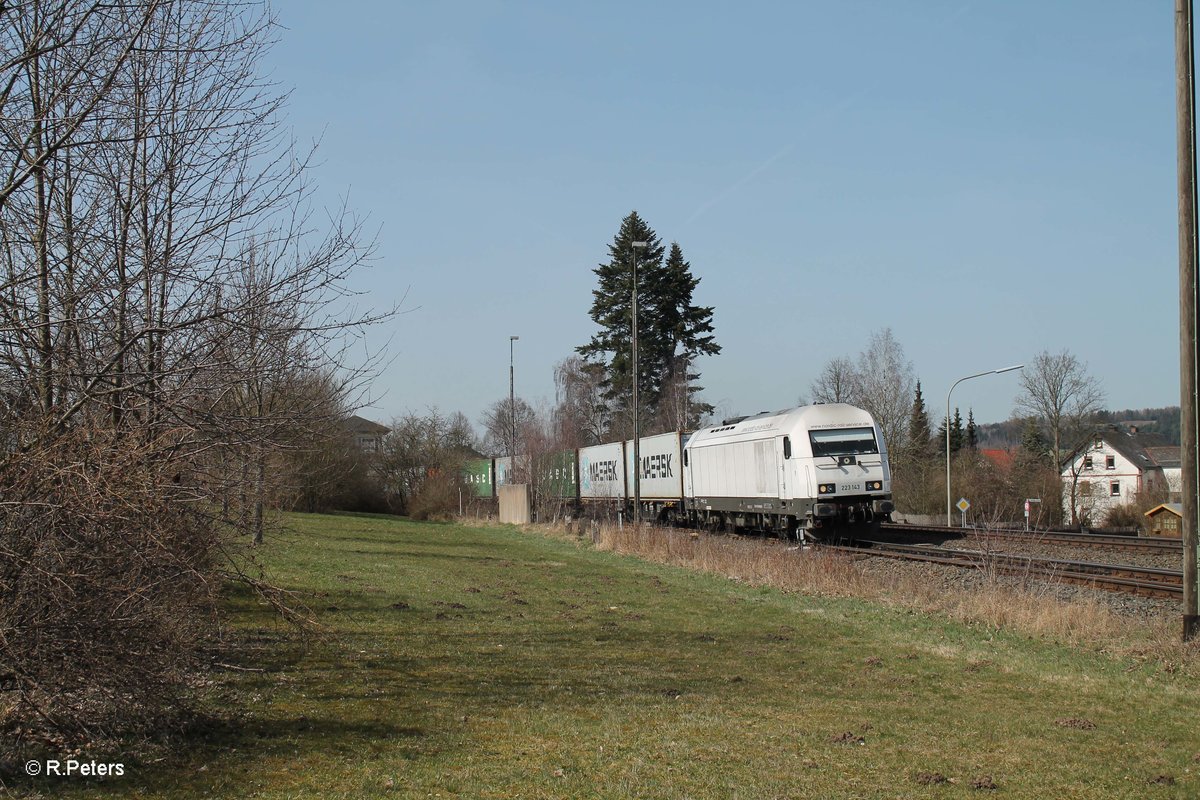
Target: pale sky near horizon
x: 989, y: 180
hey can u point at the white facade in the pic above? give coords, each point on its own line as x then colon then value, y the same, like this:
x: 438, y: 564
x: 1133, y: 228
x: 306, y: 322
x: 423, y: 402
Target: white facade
x: 1100, y: 477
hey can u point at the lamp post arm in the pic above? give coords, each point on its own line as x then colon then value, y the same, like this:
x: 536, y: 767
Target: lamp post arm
x: 947, y: 423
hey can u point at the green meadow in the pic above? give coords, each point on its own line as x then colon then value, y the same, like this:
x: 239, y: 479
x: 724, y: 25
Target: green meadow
x: 493, y: 663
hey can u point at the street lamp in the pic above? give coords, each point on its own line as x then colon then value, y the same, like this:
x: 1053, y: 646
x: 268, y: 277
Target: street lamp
x: 512, y: 402
x: 956, y: 383
x: 637, y: 431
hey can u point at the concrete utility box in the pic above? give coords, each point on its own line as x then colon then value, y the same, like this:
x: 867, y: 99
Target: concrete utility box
x: 514, y: 503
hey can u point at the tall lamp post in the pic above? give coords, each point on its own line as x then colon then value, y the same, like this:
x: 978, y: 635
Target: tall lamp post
x: 512, y: 403
x: 637, y: 431
x: 956, y: 383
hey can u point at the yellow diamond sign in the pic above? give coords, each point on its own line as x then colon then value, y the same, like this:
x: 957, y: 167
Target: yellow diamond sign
x: 963, y: 504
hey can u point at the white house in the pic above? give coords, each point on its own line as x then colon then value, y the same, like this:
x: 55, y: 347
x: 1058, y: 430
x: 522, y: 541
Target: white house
x: 367, y: 435
x: 1111, y: 469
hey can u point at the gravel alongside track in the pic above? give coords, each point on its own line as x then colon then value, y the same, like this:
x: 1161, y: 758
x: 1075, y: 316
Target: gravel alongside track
x: 1066, y: 552
x: 969, y: 580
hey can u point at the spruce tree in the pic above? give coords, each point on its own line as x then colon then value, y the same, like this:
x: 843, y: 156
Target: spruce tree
x: 1035, y: 448
x: 972, y: 431
x: 672, y: 332
x: 612, y: 311
x: 919, y: 442
x: 686, y: 331
x: 956, y: 432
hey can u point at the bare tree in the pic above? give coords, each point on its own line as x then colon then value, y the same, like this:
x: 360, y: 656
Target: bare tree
x: 422, y: 458
x: 886, y: 385
x: 837, y: 383
x: 1058, y: 391
x: 165, y: 294
x: 504, y: 423
x: 581, y: 415
x: 881, y: 381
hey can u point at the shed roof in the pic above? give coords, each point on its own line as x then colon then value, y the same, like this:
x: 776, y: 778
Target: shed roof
x: 1169, y: 508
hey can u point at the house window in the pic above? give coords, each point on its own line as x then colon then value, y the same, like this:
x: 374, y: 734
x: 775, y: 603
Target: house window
x: 1085, y: 489
x: 1114, y: 489
x: 1087, y: 462
x: 1110, y: 462
x: 1099, y: 444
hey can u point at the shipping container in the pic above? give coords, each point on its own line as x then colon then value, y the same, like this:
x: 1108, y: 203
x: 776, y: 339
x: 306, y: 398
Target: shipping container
x: 479, y: 475
x: 661, y: 476
x: 602, y: 472
x: 557, y: 477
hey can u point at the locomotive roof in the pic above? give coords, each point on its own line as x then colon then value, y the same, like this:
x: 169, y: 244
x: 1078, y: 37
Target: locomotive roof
x: 788, y: 421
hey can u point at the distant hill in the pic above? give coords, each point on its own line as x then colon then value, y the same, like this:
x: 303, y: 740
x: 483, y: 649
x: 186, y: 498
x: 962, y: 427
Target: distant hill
x: 1161, y: 421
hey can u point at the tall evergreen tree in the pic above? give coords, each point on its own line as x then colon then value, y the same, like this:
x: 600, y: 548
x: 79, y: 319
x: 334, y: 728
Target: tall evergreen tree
x: 919, y: 444
x: 672, y: 332
x: 972, y: 431
x: 956, y: 432
x: 687, y: 333
x: 1035, y: 448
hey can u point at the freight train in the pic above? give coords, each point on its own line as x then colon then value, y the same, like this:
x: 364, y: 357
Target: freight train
x: 818, y: 472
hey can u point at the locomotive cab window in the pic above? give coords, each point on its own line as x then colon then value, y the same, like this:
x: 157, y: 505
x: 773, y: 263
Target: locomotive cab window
x: 843, y: 442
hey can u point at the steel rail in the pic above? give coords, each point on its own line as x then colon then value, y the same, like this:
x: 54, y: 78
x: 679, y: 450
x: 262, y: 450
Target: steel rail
x: 1107, y: 542
x: 1124, y: 578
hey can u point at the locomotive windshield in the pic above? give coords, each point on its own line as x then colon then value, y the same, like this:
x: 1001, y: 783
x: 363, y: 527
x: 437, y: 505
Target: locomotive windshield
x: 843, y: 442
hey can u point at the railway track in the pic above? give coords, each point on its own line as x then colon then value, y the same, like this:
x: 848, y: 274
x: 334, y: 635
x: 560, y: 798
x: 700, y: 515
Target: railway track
x: 1127, y: 579
x: 1132, y: 544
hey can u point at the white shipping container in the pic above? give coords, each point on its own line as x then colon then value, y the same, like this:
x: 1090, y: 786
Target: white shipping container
x: 510, y: 470
x: 662, y: 466
x: 602, y: 472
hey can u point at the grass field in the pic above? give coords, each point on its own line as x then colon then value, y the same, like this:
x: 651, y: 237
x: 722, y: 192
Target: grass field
x: 492, y: 663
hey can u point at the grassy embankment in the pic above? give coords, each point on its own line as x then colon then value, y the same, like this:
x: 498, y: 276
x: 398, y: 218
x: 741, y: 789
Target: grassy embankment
x: 493, y: 663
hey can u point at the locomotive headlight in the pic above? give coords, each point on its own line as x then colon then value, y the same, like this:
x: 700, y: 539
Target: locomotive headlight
x: 874, y: 486
x: 827, y: 488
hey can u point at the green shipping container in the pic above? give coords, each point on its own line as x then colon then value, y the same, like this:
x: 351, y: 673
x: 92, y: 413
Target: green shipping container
x: 478, y: 474
x: 557, y: 476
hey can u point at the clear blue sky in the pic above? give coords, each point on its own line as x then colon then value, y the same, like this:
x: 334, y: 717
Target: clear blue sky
x: 986, y: 179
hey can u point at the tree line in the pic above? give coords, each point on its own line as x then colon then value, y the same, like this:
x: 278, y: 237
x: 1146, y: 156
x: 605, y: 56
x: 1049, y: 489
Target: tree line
x: 173, y: 333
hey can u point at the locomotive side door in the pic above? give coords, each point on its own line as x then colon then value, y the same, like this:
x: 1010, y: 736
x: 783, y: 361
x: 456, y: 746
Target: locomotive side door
x: 783, y: 455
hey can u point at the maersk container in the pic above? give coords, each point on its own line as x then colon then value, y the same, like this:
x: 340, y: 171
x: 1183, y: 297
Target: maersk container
x: 602, y: 472
x: 661, y: 475
x: 479, y: 475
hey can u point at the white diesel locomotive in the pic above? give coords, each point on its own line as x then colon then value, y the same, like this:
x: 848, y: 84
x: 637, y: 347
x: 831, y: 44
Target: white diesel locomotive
x: 818, y: 471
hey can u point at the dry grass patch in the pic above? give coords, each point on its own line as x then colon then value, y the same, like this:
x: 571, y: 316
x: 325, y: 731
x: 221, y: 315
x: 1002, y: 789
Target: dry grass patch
x: 1026, y: 608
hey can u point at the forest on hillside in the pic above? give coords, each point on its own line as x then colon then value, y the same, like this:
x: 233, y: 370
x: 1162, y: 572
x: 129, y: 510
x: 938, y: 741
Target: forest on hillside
x: 1163, y: 422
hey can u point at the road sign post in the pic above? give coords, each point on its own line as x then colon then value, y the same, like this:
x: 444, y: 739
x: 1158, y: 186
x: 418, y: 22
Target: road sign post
x: 963, y: 504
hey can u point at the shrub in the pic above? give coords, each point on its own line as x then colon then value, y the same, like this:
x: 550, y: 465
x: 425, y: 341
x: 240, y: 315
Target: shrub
x: 107, y: 591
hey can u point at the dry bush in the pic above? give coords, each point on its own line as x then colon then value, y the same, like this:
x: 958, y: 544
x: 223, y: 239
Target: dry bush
x: 438, y: 496
x: 107, y: 589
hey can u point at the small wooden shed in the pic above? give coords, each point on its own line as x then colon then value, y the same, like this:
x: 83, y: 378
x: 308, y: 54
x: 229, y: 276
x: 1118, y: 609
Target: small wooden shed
x: 1164, y: 519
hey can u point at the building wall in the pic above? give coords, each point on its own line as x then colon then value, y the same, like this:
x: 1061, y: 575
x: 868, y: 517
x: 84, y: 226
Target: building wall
x: 1094, y: 490
x: 1174, y: 479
